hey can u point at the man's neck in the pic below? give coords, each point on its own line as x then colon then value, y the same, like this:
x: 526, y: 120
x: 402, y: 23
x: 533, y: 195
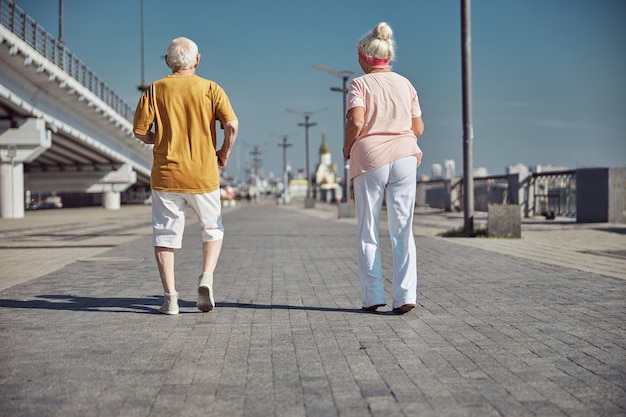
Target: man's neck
x: 188, y: 71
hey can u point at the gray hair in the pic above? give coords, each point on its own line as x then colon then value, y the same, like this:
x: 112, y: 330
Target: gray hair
x: 379, y: 43
x: 181, y: 54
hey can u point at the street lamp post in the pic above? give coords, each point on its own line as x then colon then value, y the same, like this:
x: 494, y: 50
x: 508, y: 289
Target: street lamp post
x: 142, y: 85
x: 61, y: 22
x: 285, y: 145
x: 306, y: 125
x: 468, y: 130
x: 344, y: 75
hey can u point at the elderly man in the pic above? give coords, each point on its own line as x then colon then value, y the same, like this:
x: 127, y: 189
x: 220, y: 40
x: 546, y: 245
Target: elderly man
x: 177, y: 114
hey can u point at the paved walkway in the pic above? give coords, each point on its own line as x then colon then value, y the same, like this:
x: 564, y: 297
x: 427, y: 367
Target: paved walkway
x: 494, y: 334
x: 599, y: 247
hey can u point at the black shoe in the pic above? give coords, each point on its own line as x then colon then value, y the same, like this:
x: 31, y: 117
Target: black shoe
x: 373, y: 308
x: 403, y: 309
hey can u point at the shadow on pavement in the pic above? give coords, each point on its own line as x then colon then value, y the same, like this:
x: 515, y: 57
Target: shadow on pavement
x: 288, y: 307
x: 144, y: 305
x: 77, y: 303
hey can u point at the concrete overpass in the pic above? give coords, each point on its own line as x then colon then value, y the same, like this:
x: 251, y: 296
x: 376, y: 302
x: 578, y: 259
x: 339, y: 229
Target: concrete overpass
x: 62, y: 129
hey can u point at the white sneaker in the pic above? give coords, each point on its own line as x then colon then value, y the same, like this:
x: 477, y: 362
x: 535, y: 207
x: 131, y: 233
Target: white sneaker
x: 205, y: 292
x: 170, y: 304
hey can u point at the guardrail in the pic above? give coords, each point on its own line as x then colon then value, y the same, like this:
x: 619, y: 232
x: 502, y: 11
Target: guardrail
x: 27, y: 29
x: 547, y: 193
x: 491, y: 190
x: 554, y: 193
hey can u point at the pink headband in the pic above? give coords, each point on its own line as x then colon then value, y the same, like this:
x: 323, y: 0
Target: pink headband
x: 375, y: 62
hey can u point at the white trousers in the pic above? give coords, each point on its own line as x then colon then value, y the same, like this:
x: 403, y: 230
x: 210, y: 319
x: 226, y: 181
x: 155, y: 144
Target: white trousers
x: 394, y: 183
x: 169, y: 211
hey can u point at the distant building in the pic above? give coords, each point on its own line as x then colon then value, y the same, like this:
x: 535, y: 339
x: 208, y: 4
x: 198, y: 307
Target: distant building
x: 436, y: 169
x: 300, y: 175
x: 517, y: 169
x: 481, y: 172
x: 520, y: 168
x: 298, y: 187
x: 450, y: 169
x: 325, y: 174
x: 549, y: 168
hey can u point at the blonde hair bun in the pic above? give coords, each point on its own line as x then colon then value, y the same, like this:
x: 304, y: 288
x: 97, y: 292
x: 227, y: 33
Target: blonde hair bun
x: 382, y: 31
x: 378, y: 43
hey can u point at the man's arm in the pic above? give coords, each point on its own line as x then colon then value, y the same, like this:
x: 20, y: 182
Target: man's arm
x: 147, y: 138
x: 230, y: 135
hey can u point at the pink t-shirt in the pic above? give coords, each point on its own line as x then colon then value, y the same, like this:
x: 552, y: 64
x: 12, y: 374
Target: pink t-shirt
x: 390, y: 103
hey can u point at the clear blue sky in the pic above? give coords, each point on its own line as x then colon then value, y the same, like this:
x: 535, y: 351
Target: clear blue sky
x: 549, y: 76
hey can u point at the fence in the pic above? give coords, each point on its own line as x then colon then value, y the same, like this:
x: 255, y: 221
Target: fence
x: 549, y: 193
x: 554, y: 193
x: 27, y: 29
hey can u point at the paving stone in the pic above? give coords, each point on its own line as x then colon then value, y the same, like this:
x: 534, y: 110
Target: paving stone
x: 493, y: 334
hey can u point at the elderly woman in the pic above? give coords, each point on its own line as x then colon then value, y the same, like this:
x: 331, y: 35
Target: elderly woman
x: 383, y: 121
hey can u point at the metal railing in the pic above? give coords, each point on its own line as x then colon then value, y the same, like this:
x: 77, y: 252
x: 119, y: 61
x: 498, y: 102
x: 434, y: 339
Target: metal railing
x: 554, y: 193
x: 28, y: 30
x: 547, y: 193
x: 434, y: 194
x: 490, y: 190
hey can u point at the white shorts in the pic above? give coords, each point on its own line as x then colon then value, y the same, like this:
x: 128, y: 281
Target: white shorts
x: 169, y: 211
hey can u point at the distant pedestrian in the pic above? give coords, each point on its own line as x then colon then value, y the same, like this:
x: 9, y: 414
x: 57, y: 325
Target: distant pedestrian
x: 178, y: 114
x: 383, y: 121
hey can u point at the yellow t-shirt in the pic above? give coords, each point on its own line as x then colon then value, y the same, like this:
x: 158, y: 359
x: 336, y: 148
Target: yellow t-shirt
x: 184, y: 110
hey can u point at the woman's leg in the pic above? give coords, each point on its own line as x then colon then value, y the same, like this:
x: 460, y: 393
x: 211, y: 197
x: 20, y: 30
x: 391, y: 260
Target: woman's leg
x: 400, y: 197
x: 369, y: 192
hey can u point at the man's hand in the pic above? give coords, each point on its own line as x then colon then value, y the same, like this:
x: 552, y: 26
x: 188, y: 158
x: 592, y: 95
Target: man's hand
x: 222, y: 158
x: 147, y: 139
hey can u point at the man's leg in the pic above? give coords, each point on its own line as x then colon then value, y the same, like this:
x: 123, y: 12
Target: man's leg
x: 165, y: 262
x: 168, y: 216
x: 210, y: 254
x: 208, y: 209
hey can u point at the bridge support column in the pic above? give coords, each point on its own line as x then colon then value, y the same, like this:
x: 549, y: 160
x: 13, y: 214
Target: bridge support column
x: 111, y: 200
x: 112, y: 184
x: 18, y: 144
x: 11, y: 190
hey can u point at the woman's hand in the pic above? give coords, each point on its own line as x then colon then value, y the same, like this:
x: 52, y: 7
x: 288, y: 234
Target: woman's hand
x: 346, y: 152
x: 354, y: 123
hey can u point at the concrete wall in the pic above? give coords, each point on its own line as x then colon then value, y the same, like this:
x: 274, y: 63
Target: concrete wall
x: 601, y: 195
x: 592, y: 195
x: 617, y: 195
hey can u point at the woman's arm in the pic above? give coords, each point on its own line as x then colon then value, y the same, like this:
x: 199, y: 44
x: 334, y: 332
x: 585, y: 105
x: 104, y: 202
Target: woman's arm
x: 417, y: 126
x: 354, y: 123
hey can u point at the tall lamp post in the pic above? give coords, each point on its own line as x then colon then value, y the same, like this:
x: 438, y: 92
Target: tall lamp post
x: 142, y: 85
x: 285, y: 145
x: 344, y: 75
x: 307, y: 124
x: 61, y: 22
x: 468, y: 130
